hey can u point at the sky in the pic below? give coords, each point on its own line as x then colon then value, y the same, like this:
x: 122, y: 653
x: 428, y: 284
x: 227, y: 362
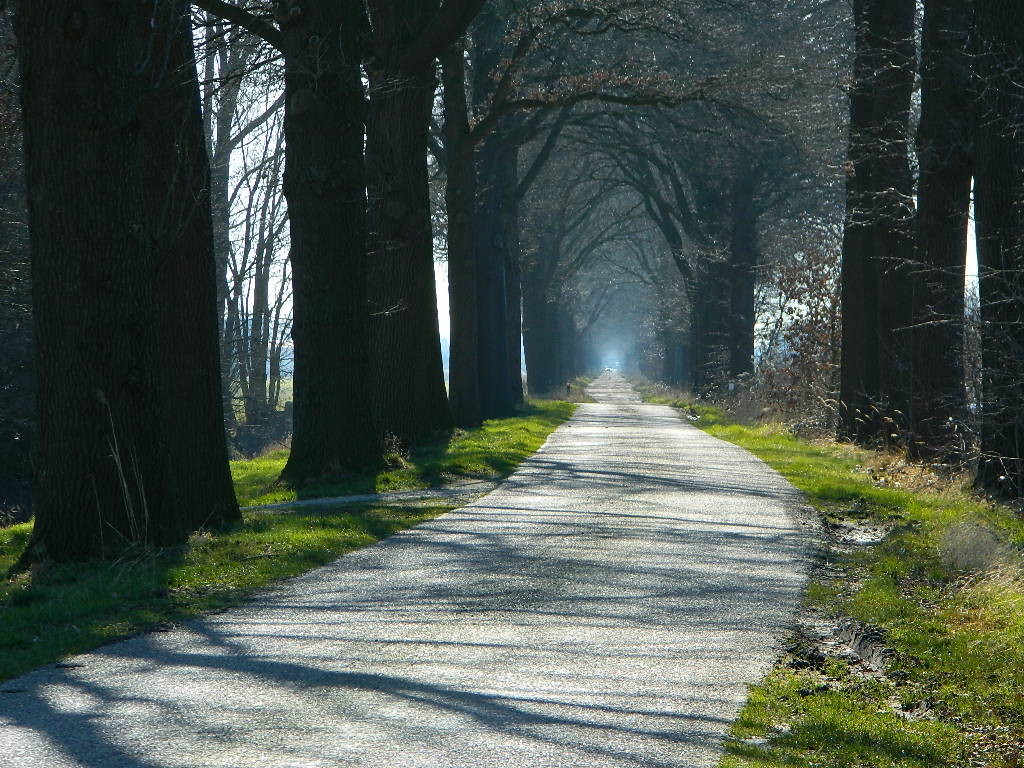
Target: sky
x: 972, y: 253
x: 441, y: 281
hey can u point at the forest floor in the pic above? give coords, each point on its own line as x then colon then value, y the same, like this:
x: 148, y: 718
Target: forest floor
x: 60, y: 610
x: 606, y: 606
x: 909, y: 651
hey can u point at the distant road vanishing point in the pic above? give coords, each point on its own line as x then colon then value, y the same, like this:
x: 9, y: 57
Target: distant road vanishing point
x: 607, y: 606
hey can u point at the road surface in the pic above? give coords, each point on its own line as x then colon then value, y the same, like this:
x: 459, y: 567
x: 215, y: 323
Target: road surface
x: 606, y: 606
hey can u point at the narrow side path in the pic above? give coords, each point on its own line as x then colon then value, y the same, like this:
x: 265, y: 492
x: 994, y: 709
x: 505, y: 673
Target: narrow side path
x: 456, y: 492
x: 606, y: 606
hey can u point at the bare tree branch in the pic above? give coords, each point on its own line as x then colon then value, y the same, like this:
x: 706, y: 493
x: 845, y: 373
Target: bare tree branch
x: 243, y: 18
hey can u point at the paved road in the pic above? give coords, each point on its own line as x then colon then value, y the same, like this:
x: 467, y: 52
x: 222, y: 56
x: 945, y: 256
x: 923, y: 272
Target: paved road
x: 606, y: 606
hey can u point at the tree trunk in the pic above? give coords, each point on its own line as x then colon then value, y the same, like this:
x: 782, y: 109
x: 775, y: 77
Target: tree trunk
x: 697, y: 345
x: 411, y: 401
x: 324, y: 184
x: 683, y: 374
x: 496, y: 173
x: 675, y: 359
x: 219, y: 121
x: 132, y: 445
x: 743, y: 258
x: 496, y: 396
x: 258, y: 352
x: 176, y: 180
x: 877, y: 242
x: 568, y: 342
x: 859, y: 363
x: 894, y: 213
x: 945, y: 156
x: 460, y: 199
x: 513, y: 283
x: 710, y: 327
x: 999, y: 192
x: 540, y: 334
x: 17, y: 376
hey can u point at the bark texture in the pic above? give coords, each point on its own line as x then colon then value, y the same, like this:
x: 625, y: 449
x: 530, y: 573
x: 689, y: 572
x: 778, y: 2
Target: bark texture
x: 324, y: 183
x: 496, y: 230
x: 131, y: 442
x: 877, y: 243
x: 543, y: 324
x: 17, y: 375
x: 999, y: 190
x: 497, y: 396
x: 743, y: 258
x: 944, y: 149
x: 411, y: 400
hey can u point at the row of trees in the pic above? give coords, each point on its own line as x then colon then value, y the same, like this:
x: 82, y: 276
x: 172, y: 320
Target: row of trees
x: 904, y: 348
x: 699, y: 213
x: 773, y: 230
x: 153, y: 300
x: 661, y: 179
x: 131, y: 444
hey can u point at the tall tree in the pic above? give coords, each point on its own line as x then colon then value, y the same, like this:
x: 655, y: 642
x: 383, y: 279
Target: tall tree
x: 17, y: 378
x: 460, y: 202
x: 495, y: 238
x: 482, y: 300
x: 496, y: 161
x: 411, y: 401
x: 131, y: 442
x: 944, y: 150
x: 743, y: 260
x: 325, y: 186
x: 230, y: 54
x: 999, y: 193
x: 878, y: 244
x: 259, y: 299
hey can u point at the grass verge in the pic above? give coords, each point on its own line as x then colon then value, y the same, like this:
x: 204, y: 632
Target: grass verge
x: 939, y: 584
x: 490, y: 451
x: 66, y: 609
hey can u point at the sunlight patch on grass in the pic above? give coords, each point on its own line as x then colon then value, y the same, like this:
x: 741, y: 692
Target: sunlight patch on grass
x: 793, y: 718
x: 66, y: 609
x: 491, y: 451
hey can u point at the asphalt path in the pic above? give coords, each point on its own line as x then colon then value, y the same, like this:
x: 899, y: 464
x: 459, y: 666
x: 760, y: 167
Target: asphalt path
x: 606, y: 606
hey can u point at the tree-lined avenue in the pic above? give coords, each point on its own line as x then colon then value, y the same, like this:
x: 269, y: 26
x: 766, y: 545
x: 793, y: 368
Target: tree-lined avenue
x: 606, y: 606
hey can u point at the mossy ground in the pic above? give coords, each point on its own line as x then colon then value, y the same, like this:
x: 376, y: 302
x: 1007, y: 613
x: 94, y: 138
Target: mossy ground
x: 945, y: 586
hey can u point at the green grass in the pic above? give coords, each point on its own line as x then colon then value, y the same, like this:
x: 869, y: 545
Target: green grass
x: 840, y: 723
x: 490, y: 451
x: 67, y: 609
x: 945, y: 585
x: 64, y: 609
